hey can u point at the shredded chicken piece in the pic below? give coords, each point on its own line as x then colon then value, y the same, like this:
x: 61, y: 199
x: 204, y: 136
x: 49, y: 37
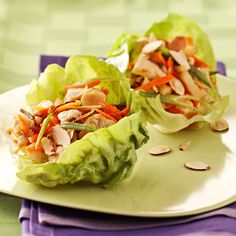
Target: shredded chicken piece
x: 68, y: 115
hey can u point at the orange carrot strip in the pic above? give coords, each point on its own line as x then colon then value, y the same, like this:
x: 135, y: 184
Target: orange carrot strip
x: 157, y: 81
x: 89, y: 85
x: 170, y: 64
x: 33, y: 138
x: 105, y: 91
x: 67, y: 106
x: 105, y: 115
x: 32, y: 147
x: 189, y: 40
x: 167, y: 105
x: 159, y: 57
x: 199, y: 63
x: 55, y: 120
x: 125, y: 111
x: 85, y: 115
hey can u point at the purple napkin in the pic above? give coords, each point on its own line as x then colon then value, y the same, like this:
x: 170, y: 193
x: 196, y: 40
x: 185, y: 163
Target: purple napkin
x: 49, y: 220
x: 44, y: 219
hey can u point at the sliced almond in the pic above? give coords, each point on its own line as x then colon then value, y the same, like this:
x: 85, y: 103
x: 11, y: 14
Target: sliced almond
x: 197, y: 165
x: 177, y: 86
x: 152, y: 46
x: 180, y: 58
x: 184, y: 146
x: 160, y: 149
x: 220, y: 125
x: 165, y: 89
x: 47, y: 146
x: 147, y: 68
x: 142, y: 40
x: 195, y: 126
x: 189, y: 50
x: 152, y: 37
x: 60, y: 136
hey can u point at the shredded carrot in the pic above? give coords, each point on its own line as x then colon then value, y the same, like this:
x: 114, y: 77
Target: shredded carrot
x: 105, y: 115
x: 160, y: 58
x: 32, y: 147
x: 105, y: 91
x: 131, y: 65
x: 125, y: 111
x: 199, y: 63
x: 112, y: 110
x: 55, y: 120
x: 85, y: 115
x: 167, y: 105
x: 33, y: 138
x: 170, y: 64
x: 88, y: 85
x: 157, y: 81
x: 175, y: 110
x: 67, y: 106
x: 189, y: 40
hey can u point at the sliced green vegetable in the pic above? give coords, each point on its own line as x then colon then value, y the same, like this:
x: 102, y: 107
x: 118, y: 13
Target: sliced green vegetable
x: 77, y: 126
x: 214, y: 72
x: 200, y: 75
x: 165, y: 51
x: 43, y: 128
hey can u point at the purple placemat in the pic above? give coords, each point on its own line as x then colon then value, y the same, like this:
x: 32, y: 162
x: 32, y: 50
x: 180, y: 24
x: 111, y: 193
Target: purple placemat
x: 49, y: 220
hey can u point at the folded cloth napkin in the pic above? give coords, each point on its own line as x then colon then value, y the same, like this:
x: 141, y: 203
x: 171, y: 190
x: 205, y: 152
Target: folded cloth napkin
x: 48, y: 220
x: 41, y: 219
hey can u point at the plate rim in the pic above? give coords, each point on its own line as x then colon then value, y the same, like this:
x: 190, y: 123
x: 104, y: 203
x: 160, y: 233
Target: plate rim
x: 144, y: 214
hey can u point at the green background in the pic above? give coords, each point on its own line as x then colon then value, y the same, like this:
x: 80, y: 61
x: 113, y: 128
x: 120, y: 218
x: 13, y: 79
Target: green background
x: 29, y: 28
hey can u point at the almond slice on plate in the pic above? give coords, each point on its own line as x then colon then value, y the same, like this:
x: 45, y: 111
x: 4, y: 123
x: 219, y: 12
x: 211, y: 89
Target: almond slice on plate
x: 160, y: 149
x: 184, y: 146
x: 197, y: 165
x: 220, y: 125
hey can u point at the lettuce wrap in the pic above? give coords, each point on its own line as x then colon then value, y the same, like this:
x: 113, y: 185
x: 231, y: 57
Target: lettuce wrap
x: 173, y: 65
x: 62, y: 101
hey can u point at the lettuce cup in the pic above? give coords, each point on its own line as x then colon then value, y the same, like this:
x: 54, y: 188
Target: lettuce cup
x: 78, y: 126
x: 172, y: 73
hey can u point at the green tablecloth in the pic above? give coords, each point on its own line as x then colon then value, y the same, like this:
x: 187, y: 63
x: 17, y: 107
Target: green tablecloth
x: 30, y: 28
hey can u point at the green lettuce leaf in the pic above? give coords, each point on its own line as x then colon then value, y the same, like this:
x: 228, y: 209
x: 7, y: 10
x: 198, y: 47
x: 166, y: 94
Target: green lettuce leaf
x: 104, y: 157
x: 177, y: 25
x: 87, y: 68
x: 49, y: 86
x: 81, y: 69
x: 168, y: 122
x: 167, y: 29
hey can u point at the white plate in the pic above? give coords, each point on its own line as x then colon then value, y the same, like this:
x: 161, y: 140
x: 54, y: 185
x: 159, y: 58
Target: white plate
x: 159, y: 186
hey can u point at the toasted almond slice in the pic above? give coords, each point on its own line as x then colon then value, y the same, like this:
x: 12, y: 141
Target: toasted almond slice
x: 184, y: 146
x: 220, y: 125
x: 180, y: 58
x: 177, y: 86
x: 142, y: 40
x: 165, y: 89
x: 152, y: 46
x: 195, y: 126
x: 152, y: 37
x: 197, y: 165
x: 60, y: 136
x: 160, y: 149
